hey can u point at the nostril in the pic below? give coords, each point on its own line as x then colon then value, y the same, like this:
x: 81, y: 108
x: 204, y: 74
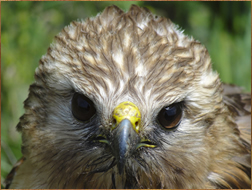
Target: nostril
x: 137, y: 126
x: 114, y: 122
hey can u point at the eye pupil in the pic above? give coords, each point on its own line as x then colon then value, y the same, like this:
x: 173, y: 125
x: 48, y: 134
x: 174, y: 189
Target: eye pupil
x: 170, y: 111
x: 169, y: 117
x: 82, y: 107
x: 83, y: 104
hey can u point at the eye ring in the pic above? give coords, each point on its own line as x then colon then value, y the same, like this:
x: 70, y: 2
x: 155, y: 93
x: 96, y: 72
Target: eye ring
x: 83, y: 108
x: 170, y: 116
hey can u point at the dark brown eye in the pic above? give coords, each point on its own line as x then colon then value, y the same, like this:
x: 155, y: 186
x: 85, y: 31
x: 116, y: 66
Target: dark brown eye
x: 82, y: 107
x: 169, y: 117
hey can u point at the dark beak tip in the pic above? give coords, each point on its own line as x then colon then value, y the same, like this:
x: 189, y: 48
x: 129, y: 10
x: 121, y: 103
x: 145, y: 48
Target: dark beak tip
x: 120, y: 168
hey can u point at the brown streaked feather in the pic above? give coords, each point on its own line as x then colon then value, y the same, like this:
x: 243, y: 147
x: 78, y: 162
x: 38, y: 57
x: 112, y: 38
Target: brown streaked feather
x: 237, y: 172
x: 239, y: 104
x: 138, y: 57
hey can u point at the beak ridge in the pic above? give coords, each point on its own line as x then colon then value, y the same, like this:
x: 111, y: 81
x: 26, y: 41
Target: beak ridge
x: 124, y: 142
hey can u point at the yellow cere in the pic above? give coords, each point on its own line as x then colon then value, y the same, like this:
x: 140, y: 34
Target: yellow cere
x: 127, y: 110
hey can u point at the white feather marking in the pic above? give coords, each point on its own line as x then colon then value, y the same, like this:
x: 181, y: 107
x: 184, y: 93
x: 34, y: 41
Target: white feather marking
x: 140, y: 71
x: 89, y: 58
x: 72, y: 32
x: 118, y: 58
x: 208, y: 78
x: 127, y: 40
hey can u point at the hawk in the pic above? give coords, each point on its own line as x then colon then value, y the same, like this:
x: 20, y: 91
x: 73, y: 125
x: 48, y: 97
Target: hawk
x: 126, y: 100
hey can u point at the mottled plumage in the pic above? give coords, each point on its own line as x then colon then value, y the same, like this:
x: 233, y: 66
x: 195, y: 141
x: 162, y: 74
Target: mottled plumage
x: 145, y: 59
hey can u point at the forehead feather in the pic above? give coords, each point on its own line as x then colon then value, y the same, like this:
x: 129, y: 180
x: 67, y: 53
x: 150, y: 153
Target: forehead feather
x: 134, y: 51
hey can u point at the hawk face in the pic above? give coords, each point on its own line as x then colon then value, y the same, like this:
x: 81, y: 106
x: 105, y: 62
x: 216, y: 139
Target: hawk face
x: 126, y: 100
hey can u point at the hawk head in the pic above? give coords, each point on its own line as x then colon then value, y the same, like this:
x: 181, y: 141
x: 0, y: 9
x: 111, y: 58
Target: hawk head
x: 126, y: 100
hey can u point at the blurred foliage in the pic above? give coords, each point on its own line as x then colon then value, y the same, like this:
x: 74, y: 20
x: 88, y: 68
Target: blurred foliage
x: 29, y: 27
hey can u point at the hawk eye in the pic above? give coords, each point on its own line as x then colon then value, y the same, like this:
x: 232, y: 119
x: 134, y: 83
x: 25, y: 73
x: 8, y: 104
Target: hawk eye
x: 82, y: 107
x: 169, y: 117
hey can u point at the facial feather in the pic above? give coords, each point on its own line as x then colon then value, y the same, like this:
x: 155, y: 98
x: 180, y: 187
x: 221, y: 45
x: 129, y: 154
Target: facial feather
x: 138, y: 57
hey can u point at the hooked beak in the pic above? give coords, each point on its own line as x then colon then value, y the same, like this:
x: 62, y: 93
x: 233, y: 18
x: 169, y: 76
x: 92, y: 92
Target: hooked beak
x: 124, y: 138
x: 125, y: 131
x: 124, y: 142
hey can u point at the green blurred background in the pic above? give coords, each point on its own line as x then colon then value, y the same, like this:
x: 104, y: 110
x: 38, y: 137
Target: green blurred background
x: 27, y: 29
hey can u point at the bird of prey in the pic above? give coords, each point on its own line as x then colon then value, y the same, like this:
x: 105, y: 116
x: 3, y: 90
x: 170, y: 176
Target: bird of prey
x: 127, y: 100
